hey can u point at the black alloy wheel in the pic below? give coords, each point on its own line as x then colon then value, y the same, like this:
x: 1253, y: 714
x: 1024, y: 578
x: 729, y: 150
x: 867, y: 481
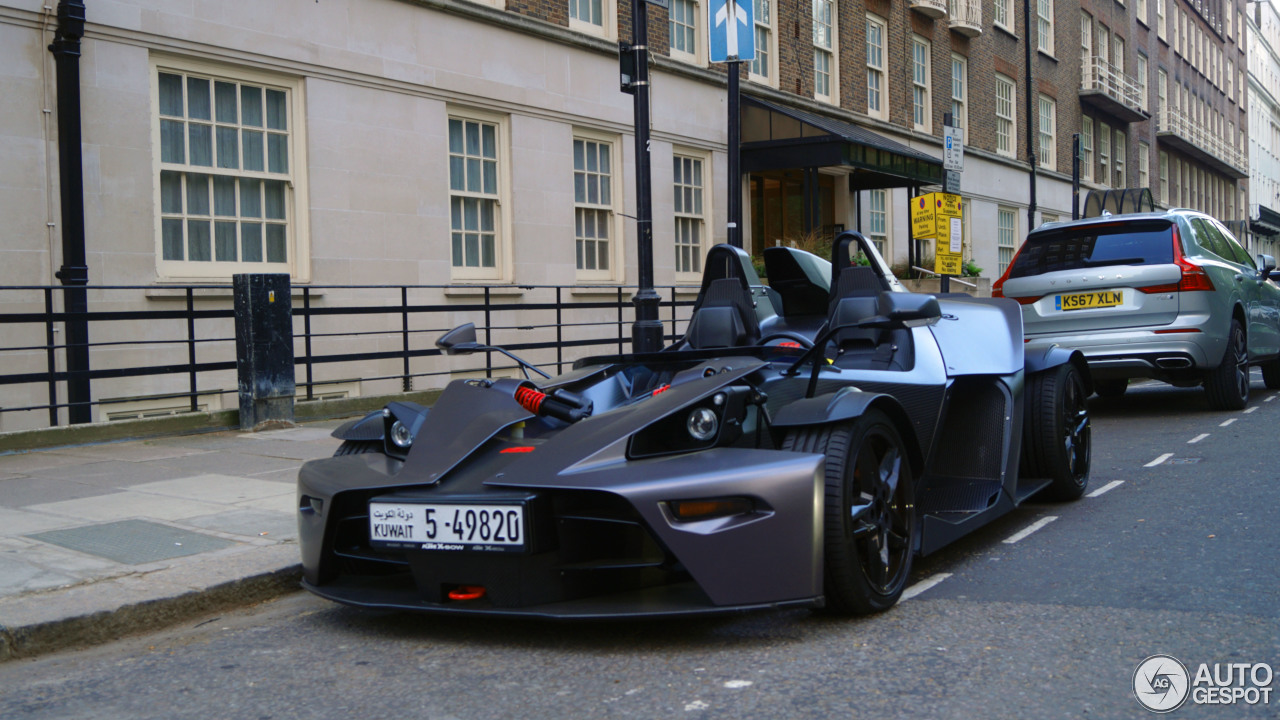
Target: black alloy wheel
x: 870, y: 522
x: 1057, y: 439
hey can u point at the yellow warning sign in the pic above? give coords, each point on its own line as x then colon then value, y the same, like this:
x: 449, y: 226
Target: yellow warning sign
x: 937, y: 216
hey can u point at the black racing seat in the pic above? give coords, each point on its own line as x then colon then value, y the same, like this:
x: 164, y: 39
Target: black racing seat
x: 724, y: 318
x: 868, y: 348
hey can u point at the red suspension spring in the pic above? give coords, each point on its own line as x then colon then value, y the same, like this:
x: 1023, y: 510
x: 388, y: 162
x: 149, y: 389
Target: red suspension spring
x: 530, y: 399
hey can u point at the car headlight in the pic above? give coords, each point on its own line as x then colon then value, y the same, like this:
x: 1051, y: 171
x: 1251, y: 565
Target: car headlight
x: 401, y: 435
x: 702, y: 424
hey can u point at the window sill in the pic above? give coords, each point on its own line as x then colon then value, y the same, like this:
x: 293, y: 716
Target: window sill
x: 1005, y: 30
x: 1047, y: 55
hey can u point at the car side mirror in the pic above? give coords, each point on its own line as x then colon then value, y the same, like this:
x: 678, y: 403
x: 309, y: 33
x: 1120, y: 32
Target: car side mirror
x: 459, y: 341
x: 903, y: 307
x: 1266, y: 264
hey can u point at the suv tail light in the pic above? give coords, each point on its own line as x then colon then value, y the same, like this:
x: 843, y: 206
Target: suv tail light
x: 1194, y: 277
x: 997, y: 288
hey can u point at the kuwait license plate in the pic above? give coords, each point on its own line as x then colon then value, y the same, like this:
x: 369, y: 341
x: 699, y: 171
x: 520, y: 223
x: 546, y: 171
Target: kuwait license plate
x: 1080, y: 301
x: 440, y: 526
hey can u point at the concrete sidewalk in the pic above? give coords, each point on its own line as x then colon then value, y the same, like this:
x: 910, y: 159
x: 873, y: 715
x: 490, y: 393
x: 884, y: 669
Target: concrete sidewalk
x: 98, y: 541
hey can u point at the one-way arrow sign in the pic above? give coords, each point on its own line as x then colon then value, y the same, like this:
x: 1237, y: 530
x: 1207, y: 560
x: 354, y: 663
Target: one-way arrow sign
x: 732, y: 30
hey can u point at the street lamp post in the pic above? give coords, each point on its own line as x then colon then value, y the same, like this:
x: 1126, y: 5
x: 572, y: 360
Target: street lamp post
x: 646, y: 330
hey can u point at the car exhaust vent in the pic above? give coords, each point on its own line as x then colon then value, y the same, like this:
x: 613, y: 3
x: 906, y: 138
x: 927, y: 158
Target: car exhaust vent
x: 1173, y: 363
x: 971, y: 443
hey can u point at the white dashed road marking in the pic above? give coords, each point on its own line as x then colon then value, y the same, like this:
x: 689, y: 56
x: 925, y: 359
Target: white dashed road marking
x: 737, y: 684
x: 1225, y: 423
x: 1106, y: 488
x: 1197, y: 438
x: 1159, y: 460
x: 1252, y: 409
x: 923, y: 585
x: 1029, y: 529
x: 1270, y: 398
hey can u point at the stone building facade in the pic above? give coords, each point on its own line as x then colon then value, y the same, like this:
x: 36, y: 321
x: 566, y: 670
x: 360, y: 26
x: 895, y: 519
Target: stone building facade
x: 464, y: 143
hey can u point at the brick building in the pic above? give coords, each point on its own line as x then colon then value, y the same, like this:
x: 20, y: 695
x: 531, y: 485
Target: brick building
x: 485, y: 142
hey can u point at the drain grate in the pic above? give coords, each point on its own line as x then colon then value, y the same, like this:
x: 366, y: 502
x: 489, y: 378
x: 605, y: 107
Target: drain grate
x: 132, y: 542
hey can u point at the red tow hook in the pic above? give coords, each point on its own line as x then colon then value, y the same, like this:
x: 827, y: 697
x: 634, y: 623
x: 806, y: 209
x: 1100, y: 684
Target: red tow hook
x: 467, y: 592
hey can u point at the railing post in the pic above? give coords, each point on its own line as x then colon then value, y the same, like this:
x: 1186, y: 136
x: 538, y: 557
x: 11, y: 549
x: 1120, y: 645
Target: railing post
x: 559, y: 334
x: 51, y: 360
x: 191, y: 346
x: 488, y: 334
x: 406, y: 381
x: 306, y: 338
x: 264, y: 350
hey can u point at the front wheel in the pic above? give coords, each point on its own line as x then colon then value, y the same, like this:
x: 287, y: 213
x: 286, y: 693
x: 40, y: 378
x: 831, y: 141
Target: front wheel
x: 1228, y: 384
x: 1057, y: 439
x: 870, y: 514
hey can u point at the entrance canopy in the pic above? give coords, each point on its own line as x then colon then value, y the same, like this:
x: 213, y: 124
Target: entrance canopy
x: 775, y: 137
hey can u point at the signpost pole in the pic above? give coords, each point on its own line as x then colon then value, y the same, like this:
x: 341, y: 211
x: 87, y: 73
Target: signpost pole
x: 735, y: 173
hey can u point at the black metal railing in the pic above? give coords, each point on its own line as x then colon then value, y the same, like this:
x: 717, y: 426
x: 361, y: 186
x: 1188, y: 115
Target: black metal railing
x: 142, y: 346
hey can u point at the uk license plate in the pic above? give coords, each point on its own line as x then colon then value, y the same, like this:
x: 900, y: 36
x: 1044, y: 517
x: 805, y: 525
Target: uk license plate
x: 444, y: 526
x: 1081, y: 301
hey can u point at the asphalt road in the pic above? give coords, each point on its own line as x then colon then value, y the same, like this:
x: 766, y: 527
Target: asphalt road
x: 1177, y: 558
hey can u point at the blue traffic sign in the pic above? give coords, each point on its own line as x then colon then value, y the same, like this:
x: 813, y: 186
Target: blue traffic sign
x: 732, y: 30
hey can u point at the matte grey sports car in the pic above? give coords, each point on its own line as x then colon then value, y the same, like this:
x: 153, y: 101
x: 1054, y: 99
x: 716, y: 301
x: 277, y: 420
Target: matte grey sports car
x: 799, y: 446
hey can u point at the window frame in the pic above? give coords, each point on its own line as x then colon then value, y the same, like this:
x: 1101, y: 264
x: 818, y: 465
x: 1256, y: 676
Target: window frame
x: 296, y: 200
x: 1144, y: 164
x: 1104, y: 153
x: 924, y: 106
x: 832, y: 95
x: 1141, y: 75
x: 1164, y: 178
x: 1048, y: 139
x: 698, y: 56
x: 1044, y: 26
x: 882, y: 70
x: 770, y: 60
x: 1086, y: 149
x: 884, y: 214
x: 608, y: 27
x: 1000, y: 13
x: 503, y: 249
x: 960, y: 119
x: 1011, y: 119
x: 1119, y: 155
x: 614, y: 273
x: 1006, y: 237
x: 702, y: 219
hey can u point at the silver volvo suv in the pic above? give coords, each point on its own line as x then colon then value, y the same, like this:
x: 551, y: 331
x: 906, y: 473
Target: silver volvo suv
x: 1168, y: 295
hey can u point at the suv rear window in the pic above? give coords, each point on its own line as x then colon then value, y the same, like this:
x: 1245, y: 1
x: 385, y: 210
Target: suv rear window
x: 1092, y: 246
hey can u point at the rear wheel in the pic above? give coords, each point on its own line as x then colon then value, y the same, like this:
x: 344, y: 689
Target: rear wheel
x: 1271, y: 374
x: 1228, y: 384
x: 1057, y: 438
x: 1110, y: 388
x: 870, y: 515
x: 358, y: 447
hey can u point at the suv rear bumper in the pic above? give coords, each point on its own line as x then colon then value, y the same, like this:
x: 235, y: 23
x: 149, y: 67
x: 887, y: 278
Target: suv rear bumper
x: 1139, y: 352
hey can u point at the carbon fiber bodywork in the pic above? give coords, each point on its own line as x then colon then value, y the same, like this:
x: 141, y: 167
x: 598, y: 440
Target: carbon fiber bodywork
x: 626, y: 508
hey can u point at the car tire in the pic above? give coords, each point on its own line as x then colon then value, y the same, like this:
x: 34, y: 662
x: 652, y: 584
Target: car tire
x: 1110, y: 388
x: 867, y: 560
x: 1057, y: 438
x: 358, y: 447
x: 1271, y: 374
x: 1228, y: 384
